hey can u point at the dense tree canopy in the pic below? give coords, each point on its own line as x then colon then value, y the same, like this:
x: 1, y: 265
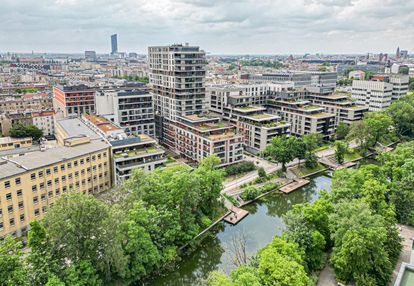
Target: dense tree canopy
x: 20, y: 131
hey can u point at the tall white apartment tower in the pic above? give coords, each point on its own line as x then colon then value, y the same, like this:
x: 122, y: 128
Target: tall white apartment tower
x: 177, y: 76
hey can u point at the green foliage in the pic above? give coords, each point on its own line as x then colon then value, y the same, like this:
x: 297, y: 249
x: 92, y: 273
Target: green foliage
x: 20, y: 131
x: 411, y: 84
x: 375, y: 126
x: 403, y: 70
x: 26, y: 90
x: 134, y: 78
x: 402, y: 114
x: 250, y: 192
x: 261, y: 172
x: 360, y: 251
x: 12, y: 269
x: 53, y: 280
x: 340, y: 151
x: 344, y: 82
x: 342, y: 130
x: 284, y: 149
x: 240, y: 168
x: 279, y: 263
x: 82, y: 274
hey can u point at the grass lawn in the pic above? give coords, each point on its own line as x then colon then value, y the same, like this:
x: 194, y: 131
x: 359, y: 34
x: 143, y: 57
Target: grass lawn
x: 349, y: 156
x: 303, y: 171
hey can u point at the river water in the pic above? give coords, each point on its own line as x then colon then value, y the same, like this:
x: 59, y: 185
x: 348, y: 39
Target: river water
x: 263, y: 222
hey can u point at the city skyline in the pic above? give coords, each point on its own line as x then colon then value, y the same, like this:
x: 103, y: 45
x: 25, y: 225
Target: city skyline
x: 246, y: 27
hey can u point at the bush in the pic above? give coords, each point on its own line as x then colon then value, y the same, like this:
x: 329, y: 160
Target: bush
x: 262, y: 172
x: 239, y: 168
x: 249, y: 193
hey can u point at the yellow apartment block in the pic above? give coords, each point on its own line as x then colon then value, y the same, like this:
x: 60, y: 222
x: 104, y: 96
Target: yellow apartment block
x: 30, y: 183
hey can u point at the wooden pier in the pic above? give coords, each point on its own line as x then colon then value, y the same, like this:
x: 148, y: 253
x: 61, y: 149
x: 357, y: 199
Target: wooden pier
x: 294, y: 186
x: 236, y: 214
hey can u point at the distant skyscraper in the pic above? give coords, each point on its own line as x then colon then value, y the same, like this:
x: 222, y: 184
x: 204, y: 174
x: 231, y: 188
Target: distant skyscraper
x: 398, y: 53
x: 114, y: 44
x: 90, y: 55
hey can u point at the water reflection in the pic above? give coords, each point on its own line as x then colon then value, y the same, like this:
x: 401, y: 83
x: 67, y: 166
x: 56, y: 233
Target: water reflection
x: 259, y: 227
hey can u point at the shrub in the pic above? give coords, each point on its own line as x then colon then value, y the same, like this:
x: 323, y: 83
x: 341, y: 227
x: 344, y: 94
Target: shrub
x: 261, y: 172
x: 239, y: 168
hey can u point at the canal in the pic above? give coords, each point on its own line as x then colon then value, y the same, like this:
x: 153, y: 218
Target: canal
x: 258, y: 228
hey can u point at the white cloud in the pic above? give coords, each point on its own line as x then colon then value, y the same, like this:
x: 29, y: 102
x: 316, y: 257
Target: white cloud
x: 226, y: 26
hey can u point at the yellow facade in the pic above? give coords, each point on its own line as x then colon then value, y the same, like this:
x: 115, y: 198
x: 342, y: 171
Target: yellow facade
x: 9, y: 143
x: 26, y: 196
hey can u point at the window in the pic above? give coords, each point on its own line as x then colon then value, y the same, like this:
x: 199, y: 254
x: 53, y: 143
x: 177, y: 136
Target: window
x: 22, y: 218
x: 62, y: 167
x: 18, y: 181
x: 55, y: 169
x: 64, y: 189
x: 87, y: 159
x: 83, y: 171
x: 1, y: 212
x: 36, y: 212
x: 75, y: 163
x: 10, y: 209
x: 49, y: 183
x: 44, y: 209
x: 34, y: 188
x: 21, y: 205
x: 35, y: 200
x: 70, y: 176
x: 19, y: 193
x: 82, y: 161
x: 11, y: 221
x: 43, y: 197
x: 50, y: 194
x: 57, y: 191
x: 41, y: 186
x: 99, y: 156
x: 76, y: 174
x: 8, y: 196
x: 40, y: 174
x: 33, y: 176
x: 63, y: 178
x: 48, y: 172
x: 93, y: 158
x: 56, y: 180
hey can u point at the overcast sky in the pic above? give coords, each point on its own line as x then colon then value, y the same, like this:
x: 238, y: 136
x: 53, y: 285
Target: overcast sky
x: 219, y: 27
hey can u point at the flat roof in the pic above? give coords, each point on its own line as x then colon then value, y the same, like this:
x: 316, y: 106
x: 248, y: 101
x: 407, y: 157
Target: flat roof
x: 5, y: 140
x: 75, y: 127
x: 37, y: 159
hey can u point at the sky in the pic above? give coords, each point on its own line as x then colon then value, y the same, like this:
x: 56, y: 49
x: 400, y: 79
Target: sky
x: 218, y: 27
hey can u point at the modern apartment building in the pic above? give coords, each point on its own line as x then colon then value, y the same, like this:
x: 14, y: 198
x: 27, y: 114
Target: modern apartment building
x: 177, y: 75
x: 241, y: 105
x: 128, y: 152
x: 399, y: 83
x: 200, y: 136
x: 73, y: 99
x: 376, y: 95
x: 31, y: 182
x: 132, y: 110
x: 304, y: 117
x: 340, y: 104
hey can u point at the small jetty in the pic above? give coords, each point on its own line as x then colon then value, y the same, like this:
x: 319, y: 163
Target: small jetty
x: 294, y: 186
x: 236, y: 214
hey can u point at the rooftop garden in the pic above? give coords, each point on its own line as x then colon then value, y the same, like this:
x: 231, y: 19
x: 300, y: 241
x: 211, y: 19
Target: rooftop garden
x: 138, y: 152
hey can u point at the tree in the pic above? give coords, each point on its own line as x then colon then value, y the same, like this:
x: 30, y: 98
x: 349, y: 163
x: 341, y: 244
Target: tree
x: 340, y: 151
x: 401, y: 113
x: 281, y: 263
x: 218, y: 278
x: 20, y: 131
x: 12, y: 269
x: 82, y: 274
x: 342, y: 131
x: 261, y: 172
x: 360, y: 237
x: 284, y: 149
x: 403, y: 70
x: 53, y: 280
x: 84, y: 231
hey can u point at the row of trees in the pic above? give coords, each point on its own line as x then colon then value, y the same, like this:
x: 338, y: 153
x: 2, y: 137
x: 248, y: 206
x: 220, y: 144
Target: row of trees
x: 127, y: 236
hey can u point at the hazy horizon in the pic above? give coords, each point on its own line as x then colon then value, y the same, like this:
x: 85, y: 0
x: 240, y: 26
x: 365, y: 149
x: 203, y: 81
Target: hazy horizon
x: 219, y: 27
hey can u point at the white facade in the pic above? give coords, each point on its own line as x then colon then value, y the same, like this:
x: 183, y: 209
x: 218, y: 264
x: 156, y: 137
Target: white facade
x: 377, y: 95
x: 45, y: 121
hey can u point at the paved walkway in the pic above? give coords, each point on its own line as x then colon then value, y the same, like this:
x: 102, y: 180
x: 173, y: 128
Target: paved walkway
x: 407, y: 233
x: 327, y: 277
